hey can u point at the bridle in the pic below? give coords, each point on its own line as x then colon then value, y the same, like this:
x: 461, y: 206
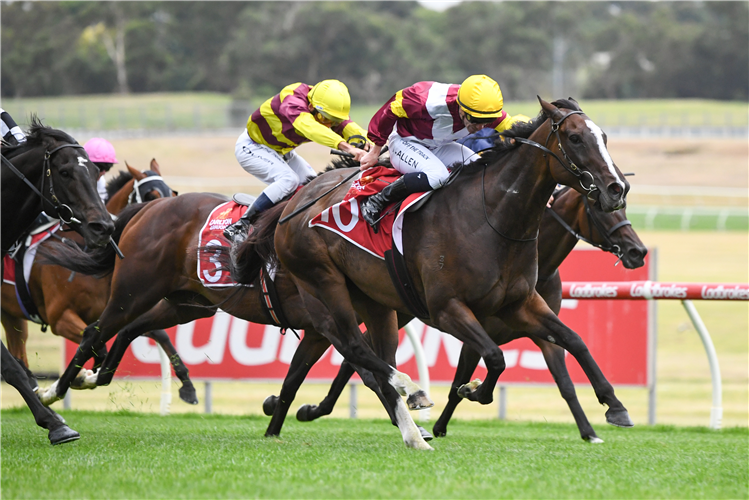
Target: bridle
x: 608, y: 245
x: 568, y: 165
x: 64, y: 212
x: 138, y: 194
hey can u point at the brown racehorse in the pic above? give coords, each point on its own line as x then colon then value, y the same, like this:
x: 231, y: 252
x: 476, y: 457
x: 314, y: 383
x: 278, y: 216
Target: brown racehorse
x: 471, y: 253
x: 69, y: 302
x: 50, y: 171
x: 610, y: 232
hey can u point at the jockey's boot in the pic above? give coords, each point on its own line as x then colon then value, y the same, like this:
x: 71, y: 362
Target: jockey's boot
x: 237, y: 232
x: 372, y: 206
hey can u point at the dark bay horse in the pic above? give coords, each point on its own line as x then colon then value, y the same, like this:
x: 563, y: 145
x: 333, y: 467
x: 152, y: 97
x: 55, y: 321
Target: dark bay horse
x: 50, y: 172
x: 67, y: 303
x: 609, y: 232
x: 470, y: 251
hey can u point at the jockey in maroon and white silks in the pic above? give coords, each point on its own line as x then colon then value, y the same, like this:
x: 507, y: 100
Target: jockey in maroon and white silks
x: 421, y: 124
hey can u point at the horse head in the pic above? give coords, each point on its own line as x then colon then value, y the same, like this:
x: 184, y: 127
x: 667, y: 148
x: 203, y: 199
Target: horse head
x: 611, y: 232
x: 149, y: 185
x: 585, y: 163
x: 65, y: 178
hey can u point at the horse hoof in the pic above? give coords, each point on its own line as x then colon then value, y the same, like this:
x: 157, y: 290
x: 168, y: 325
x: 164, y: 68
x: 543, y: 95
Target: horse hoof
x: 419, y: 401
x: 438, y: 431
x: 468, y: 391
x: 63, y: 434
x: 304, y: 413
x: 269, y: 405
x: 593, y: 440
x: 188, y: 395
x: 419, y: 445
x: 425, y: 435
x: 619, y: 418
x: 49, y: 395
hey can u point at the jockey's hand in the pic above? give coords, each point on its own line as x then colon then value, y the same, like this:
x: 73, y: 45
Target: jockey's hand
x: 348, y: 148
x: 371, y: 157
x: 551, y: 200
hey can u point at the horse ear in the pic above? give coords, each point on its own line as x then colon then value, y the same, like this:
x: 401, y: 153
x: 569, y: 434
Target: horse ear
x: 137, y: 175
x: 550, y: 110
x: 155, y: 166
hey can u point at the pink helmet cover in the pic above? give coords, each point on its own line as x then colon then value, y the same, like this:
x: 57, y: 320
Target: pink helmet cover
x: 100, y: 150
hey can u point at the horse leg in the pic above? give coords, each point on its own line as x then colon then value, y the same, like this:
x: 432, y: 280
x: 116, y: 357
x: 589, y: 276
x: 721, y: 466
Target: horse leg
x: 554, y: 356
x: 16, y: 334
x: 467, y: 363
x: 310, y: 349
x: 539, y: 321
x: 165, y: 314
x: 13, y: 374
x: 459, y: 320
x: 333, y: 316
x: 187, y: 391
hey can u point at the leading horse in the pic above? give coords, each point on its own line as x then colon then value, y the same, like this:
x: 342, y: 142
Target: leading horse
x: 470, y: 252
x: 569, y: 220
x: 50, y: 172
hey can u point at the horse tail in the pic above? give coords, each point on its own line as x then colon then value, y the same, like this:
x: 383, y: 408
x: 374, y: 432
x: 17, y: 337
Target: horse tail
x: 98, y: 262
x: 258, y: 249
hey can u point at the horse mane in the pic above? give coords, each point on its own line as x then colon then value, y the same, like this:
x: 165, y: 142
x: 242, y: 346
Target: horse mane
x: 35, y: 138
x: 117, y: 183
x: 258, y: 249
x: 503, y: 143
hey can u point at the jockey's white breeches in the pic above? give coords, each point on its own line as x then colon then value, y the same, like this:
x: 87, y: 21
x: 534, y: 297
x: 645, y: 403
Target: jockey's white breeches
x: 283, y: 174
x: 407, y: 155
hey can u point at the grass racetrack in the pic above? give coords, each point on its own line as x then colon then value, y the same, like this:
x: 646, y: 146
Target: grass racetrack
x: 132, y: 455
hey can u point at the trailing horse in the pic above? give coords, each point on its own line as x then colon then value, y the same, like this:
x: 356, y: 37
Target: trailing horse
x: 470, y: 252
x: 51, y: 172
x: 68, y: 302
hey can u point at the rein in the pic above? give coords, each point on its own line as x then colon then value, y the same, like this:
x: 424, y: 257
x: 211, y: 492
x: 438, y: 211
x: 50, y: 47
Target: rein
x: 609, y: 246
x: 55, y: 202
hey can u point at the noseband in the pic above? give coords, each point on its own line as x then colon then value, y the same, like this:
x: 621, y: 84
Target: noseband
x: 60, y: 208
x: 608, y: 246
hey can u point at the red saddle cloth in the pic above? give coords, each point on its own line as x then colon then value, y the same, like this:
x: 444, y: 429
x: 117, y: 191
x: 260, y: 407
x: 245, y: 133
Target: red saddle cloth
x: 212, y: 234
x: 343, y: 217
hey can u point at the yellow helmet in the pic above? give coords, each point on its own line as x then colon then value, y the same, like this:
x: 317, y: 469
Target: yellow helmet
x: 480, y: 97
x: 330, y: 98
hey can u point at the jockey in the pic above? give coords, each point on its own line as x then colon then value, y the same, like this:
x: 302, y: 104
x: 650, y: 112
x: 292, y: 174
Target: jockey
x: 299, y: 113
x: 101, y: 153
x: 422, y: 123
x: 10, y: 132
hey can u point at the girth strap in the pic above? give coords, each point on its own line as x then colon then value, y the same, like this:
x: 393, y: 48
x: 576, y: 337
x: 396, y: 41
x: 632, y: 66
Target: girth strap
x: 271, y: 302
x: 398, y: 271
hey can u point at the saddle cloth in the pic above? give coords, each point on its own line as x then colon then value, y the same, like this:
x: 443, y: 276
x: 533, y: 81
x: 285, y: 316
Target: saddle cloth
x: 210, y: 272
x: 343, y: 217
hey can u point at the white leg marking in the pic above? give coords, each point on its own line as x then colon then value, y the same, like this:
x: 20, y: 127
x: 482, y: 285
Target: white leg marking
x: 411, y: 434
x: 49, y: 396
x: 403, y: 383
x: 595, y: 440
x: 598, y: 133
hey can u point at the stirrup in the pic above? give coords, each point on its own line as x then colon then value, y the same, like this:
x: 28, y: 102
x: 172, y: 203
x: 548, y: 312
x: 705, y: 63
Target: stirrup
x: 238, y: 232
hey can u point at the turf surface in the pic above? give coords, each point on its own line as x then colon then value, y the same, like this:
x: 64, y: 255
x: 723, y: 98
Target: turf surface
x: 131, y: 455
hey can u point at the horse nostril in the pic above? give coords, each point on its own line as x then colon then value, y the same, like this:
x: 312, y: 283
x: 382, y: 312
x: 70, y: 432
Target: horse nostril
x: 101, y: 228
x: 615, y: 190
x: 637, y: 253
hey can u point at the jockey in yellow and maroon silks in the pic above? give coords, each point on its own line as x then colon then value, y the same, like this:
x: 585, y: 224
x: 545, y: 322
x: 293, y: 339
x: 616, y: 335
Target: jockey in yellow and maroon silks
x: 421, y: 124
x: 300, y: 113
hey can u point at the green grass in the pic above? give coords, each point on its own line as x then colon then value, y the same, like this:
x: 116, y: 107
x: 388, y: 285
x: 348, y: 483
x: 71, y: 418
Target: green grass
x: 124, y: 455
x: 209, y: 110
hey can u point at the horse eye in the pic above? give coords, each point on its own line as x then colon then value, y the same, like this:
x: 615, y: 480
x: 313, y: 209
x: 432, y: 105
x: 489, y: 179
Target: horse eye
x: 575, y: 139
x: 64, y: 173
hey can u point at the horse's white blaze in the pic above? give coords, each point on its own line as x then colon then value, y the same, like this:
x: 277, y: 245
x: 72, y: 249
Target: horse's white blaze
x: 598, y: 133
x: 411, y: 434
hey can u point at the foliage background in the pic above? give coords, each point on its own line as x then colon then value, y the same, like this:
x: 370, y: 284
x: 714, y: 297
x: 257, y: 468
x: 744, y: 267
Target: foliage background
x: 592, y: 50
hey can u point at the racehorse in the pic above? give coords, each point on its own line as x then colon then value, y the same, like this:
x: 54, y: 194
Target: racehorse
x: 471, y: 254
x: 569, y: 219
x: 69, y: 302
x: 51, y: 172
